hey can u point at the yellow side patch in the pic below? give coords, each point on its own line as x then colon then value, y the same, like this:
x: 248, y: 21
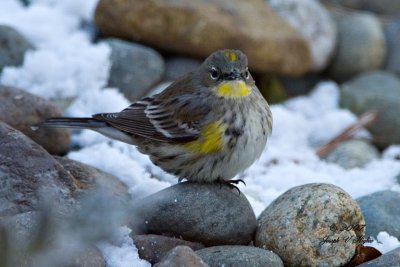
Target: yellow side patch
x: 231, y: 56
x: 233, y: 89
x: 210, y: 140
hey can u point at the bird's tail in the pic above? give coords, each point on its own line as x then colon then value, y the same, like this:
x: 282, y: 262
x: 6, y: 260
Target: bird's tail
x: 64, y: 122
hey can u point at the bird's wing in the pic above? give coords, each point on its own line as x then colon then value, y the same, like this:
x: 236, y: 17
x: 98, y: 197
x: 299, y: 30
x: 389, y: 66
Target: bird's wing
x: 163, y: 120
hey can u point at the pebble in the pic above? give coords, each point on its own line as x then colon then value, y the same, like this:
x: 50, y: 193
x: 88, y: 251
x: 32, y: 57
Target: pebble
x: 181, y: 256
x: 303, y: 226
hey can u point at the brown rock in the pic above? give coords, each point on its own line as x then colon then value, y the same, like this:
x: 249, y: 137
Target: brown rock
x: 181, y: 256
x: 29, y: 175
x: 198, y: 28
x: 154, y: 247
x: 88, y: 177
x: 21, y: 110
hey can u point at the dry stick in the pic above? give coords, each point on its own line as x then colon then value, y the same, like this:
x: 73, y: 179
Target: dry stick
x: 362, y: 121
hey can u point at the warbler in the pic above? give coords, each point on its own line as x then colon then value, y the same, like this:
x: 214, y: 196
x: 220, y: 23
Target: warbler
x: 207, y: 126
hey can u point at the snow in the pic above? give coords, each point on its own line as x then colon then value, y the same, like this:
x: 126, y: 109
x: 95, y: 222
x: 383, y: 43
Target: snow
x: 67, y: 64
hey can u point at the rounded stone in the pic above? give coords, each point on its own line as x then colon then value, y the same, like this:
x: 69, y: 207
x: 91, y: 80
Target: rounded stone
x: 12, y: 47
x: 176, y: 67
x: 153, y: 248
x: 381, y: 212
x: 355, y: 153
x: 360, y: 47
x: 314, y: 22
x: 135, y: 68
x: 210, y: 214
x: 385, y: 7
x: 181, y: 256
x: 311, y: 225
x: 22, y: 110
x: 377, y: 91
x: 391, y: 258
x: 198, y: 28
x: 239, y: 256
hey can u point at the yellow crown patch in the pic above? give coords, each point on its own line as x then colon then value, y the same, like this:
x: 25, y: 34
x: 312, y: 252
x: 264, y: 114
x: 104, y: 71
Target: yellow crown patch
x: 231, y: 56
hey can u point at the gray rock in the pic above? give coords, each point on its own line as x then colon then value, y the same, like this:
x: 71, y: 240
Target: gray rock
x: 392, y: 36
x: 29, y: 175
x: 355, y: 153
x: 360, y: 47
x: 391, y: 258
x: 303, y: 226
x: 181, y: 256
x: 295, y: 86
x: 134, y: 68
x: 90, y: 257
x: 376, y: 91
x: 206, y: 213
x: 386, y: 7
x: 12, y: 47
x: 239, y: 256
x: 314, y: 22
x: 178, y: 66
x: 381, y: 211
x: 153, y: 248
x: 21, y: 110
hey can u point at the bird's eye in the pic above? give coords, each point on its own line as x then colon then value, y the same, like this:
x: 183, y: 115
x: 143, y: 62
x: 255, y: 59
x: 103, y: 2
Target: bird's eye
x: 247, y: 74
x: 214, y: 73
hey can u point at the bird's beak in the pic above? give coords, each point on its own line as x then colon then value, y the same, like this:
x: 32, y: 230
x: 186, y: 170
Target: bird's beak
x: 233, y: 75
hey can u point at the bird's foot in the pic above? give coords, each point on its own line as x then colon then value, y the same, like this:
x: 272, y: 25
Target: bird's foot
x: 231, y: 183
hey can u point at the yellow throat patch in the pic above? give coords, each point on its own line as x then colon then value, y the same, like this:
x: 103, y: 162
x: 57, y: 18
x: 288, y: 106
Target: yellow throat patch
x: 233, y: 89
x: 231, y: 56
x: 210, y: 140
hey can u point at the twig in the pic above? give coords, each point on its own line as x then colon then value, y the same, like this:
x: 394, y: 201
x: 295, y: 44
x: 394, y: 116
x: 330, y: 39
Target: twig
x: 364, y: 120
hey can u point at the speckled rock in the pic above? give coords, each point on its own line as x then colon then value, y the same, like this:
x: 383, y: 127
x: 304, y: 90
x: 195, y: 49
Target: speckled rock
x: 312, y: 20
x: 134, y: 68
x: 206, y: 213
x: 304, y: 226
x: 355, y: 153
x: 391, y: 258
x: 28, y: 174
x: 21, y: 110
x: 361, y: 45
x: 176, y: 67
x: 381, y: 211
x: 197, y: 28
x: 12, y: 47
x: 181, y: 256
x: 153, y: 248
x: 239, y: 256
x: 375, y: 91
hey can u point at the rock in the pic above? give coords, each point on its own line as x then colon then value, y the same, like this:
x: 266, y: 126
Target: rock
x: 296, y: 86
x: 197, y: 28
x: 239, y: 256
x: 375, y: 91
x: 381, y: 211
x: 206, y: 213
x: 360, y: 47
x: 29, y: 175
x: 90, y: 257
x: 355, y: 153
x: 12, y: 47
x: 176, y: 67
x: 392, y: 37
x: 385, y: 7
x: 181, y: 256
x: 153, y: 248
x: 88, y: 177
x: 134, y: 68
x: 21, y: 110
x: 312, y: 20
x: 391, y: 258
x: 304, y: 226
